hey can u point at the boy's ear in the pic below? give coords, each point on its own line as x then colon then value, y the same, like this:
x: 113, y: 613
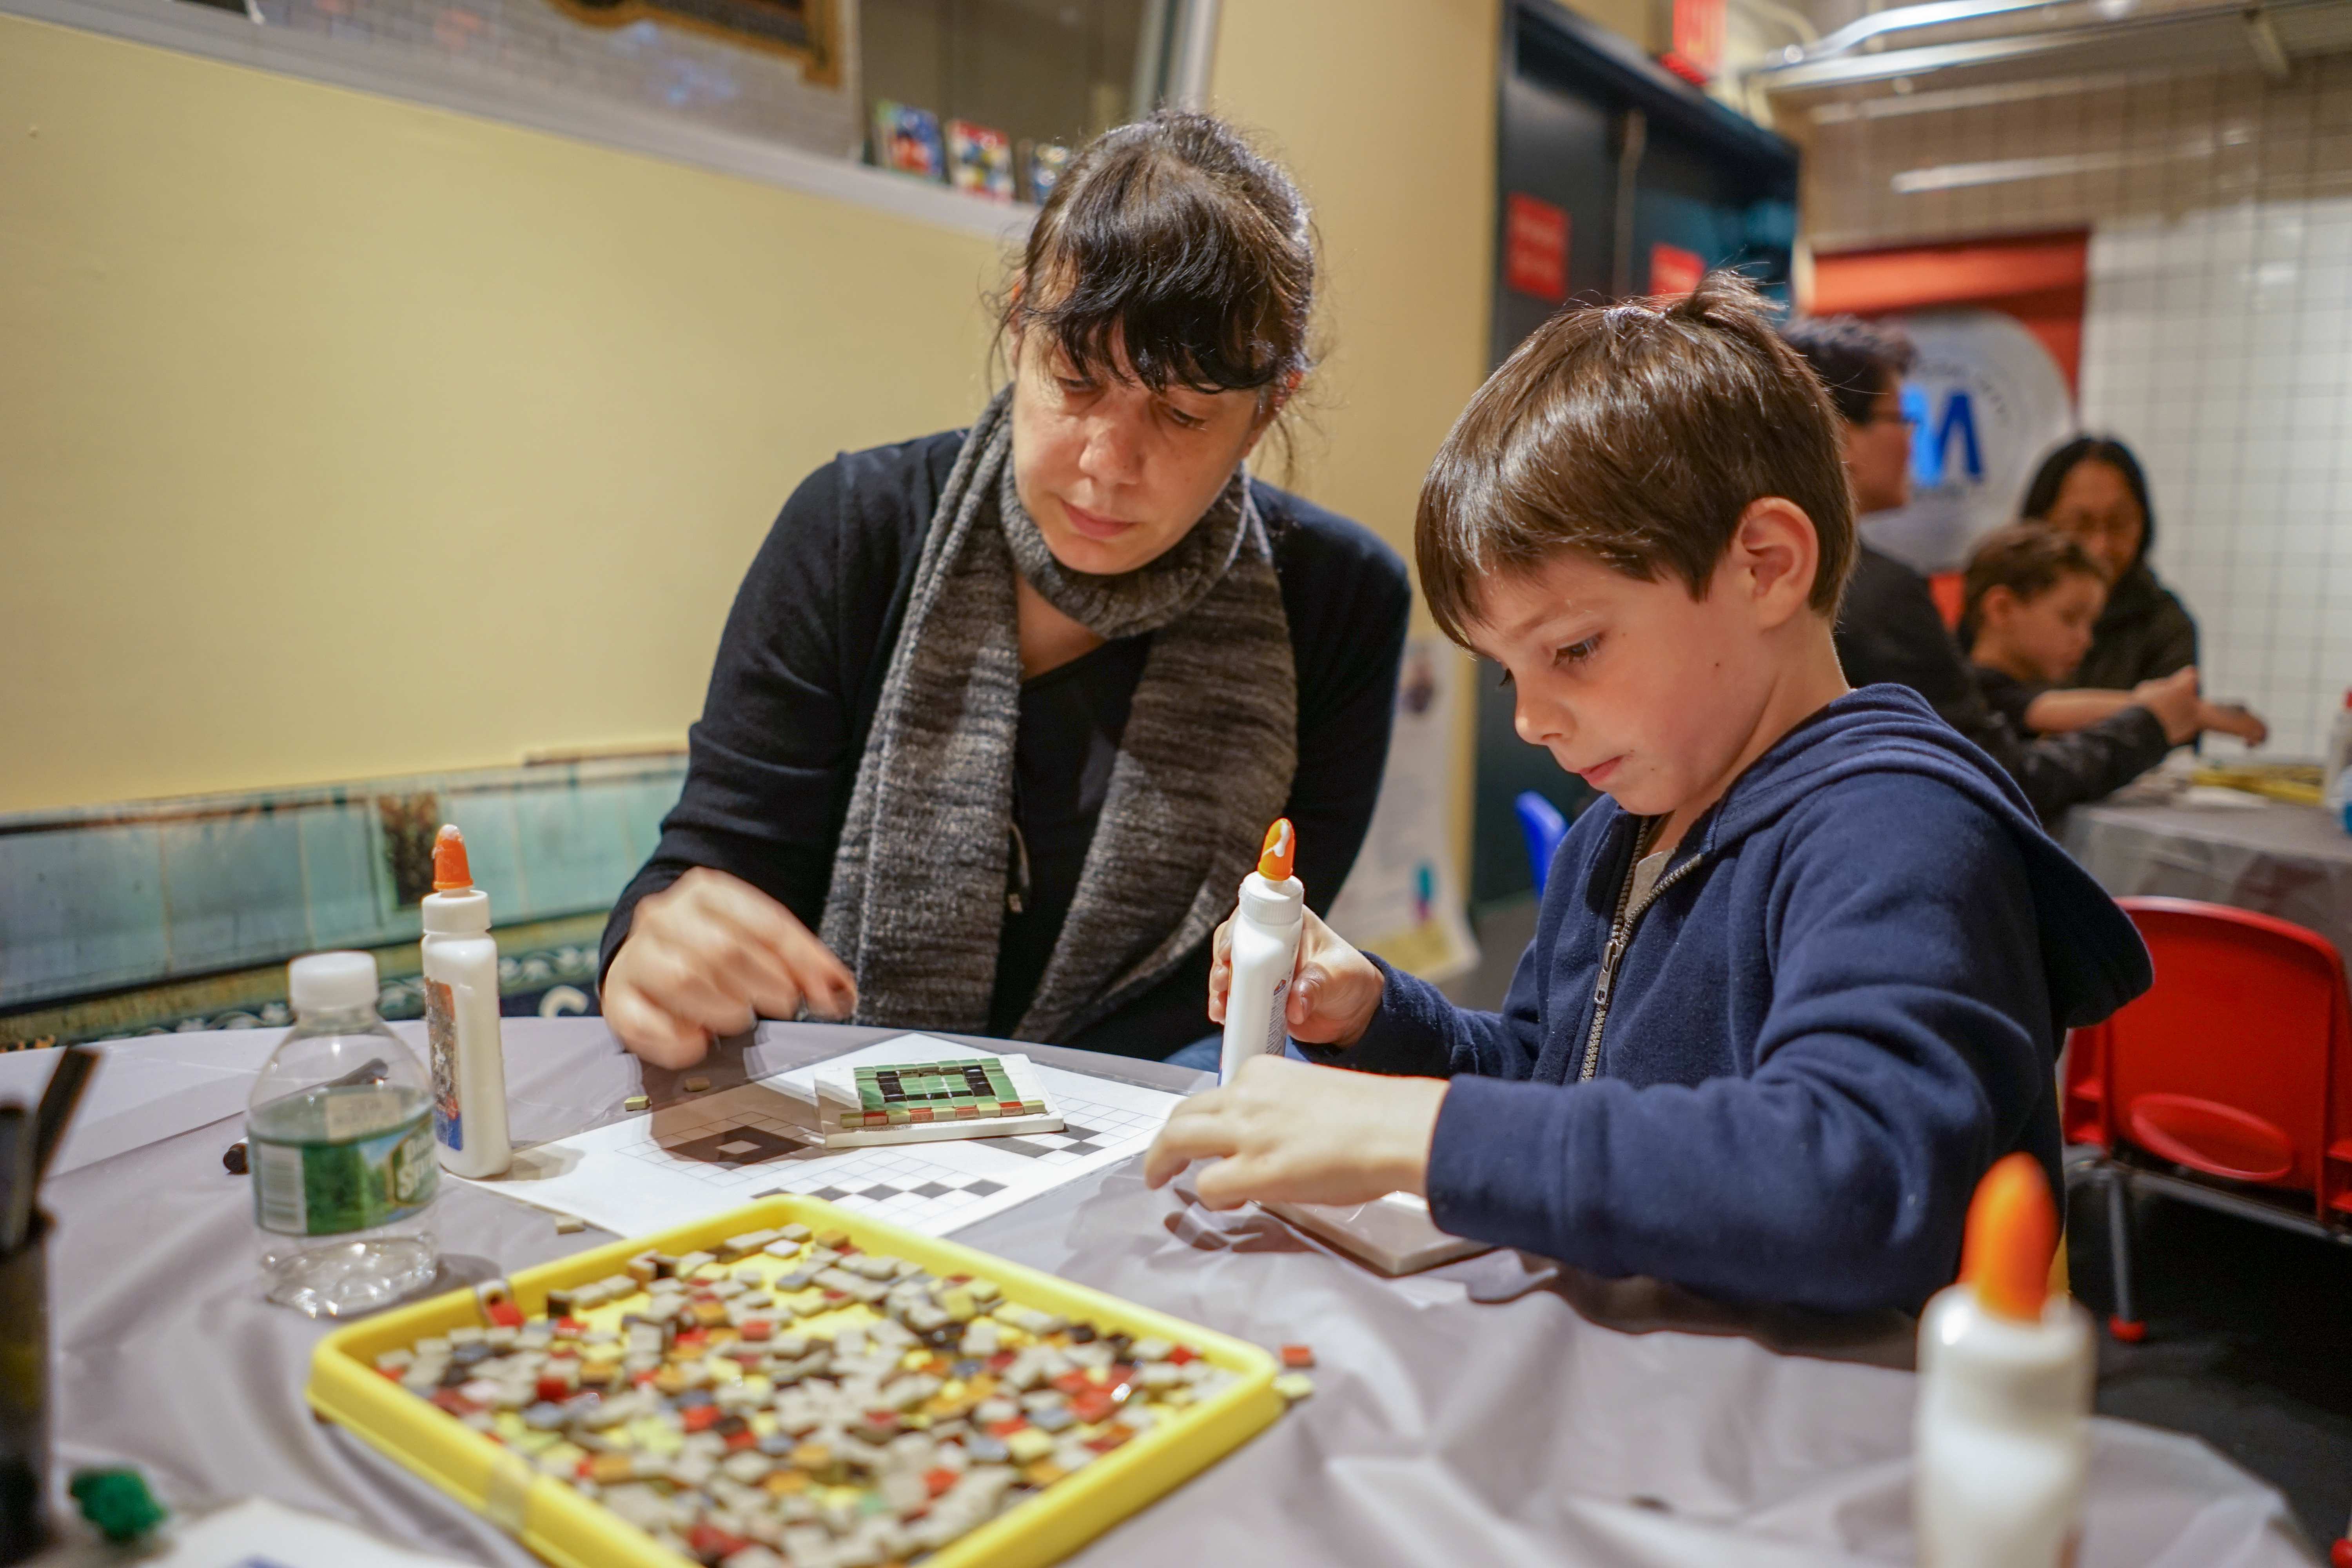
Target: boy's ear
x: 1778, y: 555
x: 1997, y: 604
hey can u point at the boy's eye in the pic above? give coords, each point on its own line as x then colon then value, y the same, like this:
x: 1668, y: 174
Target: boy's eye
x: 1576, y: 652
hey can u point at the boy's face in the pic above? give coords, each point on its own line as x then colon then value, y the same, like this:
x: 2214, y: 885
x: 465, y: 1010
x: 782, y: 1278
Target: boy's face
x: 1643, y: 691
x: 2051, y: 632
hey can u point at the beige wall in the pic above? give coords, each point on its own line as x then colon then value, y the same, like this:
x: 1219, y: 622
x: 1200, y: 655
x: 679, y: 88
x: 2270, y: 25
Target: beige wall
x: 1384, y: 110
x: 342, y: 438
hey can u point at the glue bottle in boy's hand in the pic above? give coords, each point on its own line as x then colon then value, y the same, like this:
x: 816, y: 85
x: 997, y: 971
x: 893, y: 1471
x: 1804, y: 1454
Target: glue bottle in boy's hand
x: 2005, y: 1371
x: 1265, y: 952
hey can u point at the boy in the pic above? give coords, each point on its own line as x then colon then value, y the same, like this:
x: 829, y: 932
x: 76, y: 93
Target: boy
x: 2032, y: 594
x: 1801, y: 979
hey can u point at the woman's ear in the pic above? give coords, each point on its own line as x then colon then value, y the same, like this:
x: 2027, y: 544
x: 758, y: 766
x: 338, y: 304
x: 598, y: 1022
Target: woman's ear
x: 1270, y: 404
x: 1012, y: 295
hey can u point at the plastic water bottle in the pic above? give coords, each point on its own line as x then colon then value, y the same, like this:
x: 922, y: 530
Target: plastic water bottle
x: 344, y: 1167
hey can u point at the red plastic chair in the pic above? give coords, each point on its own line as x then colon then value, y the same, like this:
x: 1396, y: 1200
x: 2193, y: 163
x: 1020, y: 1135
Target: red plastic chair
x: 2235, y: 1069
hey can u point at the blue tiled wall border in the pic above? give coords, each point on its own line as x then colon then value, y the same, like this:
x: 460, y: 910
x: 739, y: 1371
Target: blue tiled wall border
x: 96, y: 899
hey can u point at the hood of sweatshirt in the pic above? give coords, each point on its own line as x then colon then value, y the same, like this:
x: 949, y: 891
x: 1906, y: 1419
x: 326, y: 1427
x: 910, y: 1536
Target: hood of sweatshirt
x: 2093, y: 955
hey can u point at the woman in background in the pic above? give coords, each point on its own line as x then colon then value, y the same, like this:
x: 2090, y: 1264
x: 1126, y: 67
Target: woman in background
x: 1000, y: 716
x: 2093, y: 487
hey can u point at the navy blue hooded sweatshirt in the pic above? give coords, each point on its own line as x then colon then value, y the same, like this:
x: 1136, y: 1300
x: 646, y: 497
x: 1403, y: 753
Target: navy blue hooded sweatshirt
x: 1845, y: 1003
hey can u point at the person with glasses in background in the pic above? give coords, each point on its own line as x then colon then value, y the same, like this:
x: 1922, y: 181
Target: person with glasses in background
x: 1889, y: 631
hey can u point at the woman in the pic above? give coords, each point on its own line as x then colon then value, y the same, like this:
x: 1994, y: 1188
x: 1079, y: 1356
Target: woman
x: 2093, y: 489
x: 1000, y: 716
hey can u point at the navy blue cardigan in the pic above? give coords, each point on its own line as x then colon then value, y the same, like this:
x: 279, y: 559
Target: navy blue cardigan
x: 1820, y: 1037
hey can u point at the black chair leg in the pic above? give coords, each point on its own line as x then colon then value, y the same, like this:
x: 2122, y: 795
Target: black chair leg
x: 2125, y: 1324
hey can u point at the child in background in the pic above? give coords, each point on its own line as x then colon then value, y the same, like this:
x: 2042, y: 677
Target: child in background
x: 1801, y: 979
x: 2031, y: 596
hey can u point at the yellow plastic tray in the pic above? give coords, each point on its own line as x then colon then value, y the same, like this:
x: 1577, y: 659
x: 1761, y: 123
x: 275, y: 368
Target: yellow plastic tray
x: 574, y: 1531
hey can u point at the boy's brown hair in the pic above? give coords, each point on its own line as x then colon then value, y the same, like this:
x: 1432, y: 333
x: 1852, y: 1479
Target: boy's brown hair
x: 2026, y: 558
x: 1636, y: 433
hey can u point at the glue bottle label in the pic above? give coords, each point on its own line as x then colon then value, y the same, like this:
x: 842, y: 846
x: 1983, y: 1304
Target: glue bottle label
x: 1277, y: 1022
x: 441, y: 1030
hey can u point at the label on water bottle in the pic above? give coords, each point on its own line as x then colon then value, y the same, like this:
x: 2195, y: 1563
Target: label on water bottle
x: 330, y: 1188
x: 1278, y: 1025
x: 441, y: 1030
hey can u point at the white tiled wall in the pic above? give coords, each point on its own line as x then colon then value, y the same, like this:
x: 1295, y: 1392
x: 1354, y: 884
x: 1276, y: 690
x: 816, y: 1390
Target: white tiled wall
x: 2219, y: 346
x: 2218, y: 334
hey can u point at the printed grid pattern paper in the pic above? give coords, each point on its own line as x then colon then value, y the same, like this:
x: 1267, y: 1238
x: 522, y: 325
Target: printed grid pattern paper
x: 719, y: 1150
x: 2217, y: 338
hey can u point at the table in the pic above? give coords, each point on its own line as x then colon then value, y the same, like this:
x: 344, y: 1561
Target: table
x: 1498, y: 1411
x: 2272, y: 857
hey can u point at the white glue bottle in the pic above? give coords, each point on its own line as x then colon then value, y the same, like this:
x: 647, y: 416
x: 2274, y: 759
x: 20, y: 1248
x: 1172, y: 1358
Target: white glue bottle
x: 1264, y: 952
x: 461, y: 1017
x: 2336, y: 772
x: 2005, y: 1374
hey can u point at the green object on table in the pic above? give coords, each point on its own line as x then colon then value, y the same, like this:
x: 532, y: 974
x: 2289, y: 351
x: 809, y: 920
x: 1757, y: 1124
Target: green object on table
x: 117, y: 1502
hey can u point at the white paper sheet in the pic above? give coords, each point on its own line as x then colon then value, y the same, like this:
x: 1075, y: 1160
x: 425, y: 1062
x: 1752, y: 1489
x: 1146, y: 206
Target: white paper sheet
x: 717, y: 1151
x: 259, y: 1534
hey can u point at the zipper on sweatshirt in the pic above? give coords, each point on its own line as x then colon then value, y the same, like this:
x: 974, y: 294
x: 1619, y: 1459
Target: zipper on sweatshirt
x: 1621, y: 934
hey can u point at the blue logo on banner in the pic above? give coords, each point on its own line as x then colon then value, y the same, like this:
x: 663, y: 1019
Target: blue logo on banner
x: 1931, y: 438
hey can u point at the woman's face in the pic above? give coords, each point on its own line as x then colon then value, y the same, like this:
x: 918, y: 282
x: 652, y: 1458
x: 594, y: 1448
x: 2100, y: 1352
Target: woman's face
x: 1113, y: 472
x: 2096, y: 505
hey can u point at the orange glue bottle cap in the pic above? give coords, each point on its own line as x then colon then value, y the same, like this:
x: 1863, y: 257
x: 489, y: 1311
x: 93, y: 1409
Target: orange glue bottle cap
x: 2013, y: 1234
x: 450, y: 872
x: 1280, y: 848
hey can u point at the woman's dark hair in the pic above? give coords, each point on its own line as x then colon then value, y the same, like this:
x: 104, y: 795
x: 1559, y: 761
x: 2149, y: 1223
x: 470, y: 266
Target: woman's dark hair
x: 1636, y: 435
x: 2043, y: 493
x: 1856, y: 359
x: 2029, y: 559
x: 1172, y: 240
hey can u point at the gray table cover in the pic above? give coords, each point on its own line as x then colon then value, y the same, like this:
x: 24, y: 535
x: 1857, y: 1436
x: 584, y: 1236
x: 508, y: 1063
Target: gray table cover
x: 2291, y: 861
x: 1499, y: 1411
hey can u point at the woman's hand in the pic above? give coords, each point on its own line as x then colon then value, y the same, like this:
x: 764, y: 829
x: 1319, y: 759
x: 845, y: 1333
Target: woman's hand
x: 1334, y: 989
x: 2231, y: 719
x: 1285, y: 1131
x: 707, y: 956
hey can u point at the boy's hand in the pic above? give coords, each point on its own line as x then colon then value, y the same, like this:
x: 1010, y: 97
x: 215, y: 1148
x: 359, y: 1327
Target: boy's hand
x: 1290, y: 1132
x: 1334, y: 989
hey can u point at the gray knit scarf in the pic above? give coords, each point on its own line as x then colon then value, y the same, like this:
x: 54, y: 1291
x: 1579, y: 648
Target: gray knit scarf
x: 918, y: 901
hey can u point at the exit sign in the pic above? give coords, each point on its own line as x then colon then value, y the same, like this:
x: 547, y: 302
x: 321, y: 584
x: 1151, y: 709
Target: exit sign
x: 1535, y: 248
x: 1695, y: 50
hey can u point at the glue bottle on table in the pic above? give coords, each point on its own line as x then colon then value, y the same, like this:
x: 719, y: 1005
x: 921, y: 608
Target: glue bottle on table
x: 461, y: 1017
x: 2336, y: 772
x: 1264, y: 952
x: 2005, y: 1374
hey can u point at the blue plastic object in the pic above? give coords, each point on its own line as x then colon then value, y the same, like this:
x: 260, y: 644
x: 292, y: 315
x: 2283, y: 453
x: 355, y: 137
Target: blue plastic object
x: 1545, y: 828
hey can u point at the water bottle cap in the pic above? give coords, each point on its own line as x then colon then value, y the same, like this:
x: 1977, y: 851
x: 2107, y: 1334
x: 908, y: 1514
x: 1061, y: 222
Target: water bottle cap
x: 332, y: 982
